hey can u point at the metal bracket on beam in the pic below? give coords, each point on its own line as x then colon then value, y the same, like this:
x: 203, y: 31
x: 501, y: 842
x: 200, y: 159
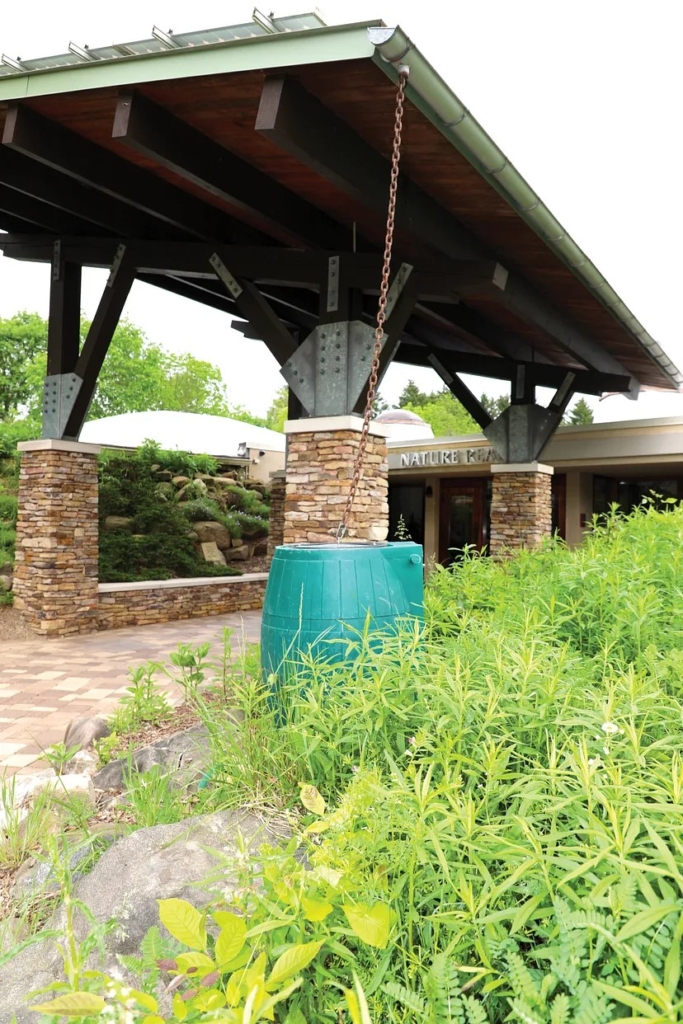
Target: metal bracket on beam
x: 333, y: 284
x: 59, y: 394
x: 328, y: 372
x: 57, y: 260
x: 118, y: 260
x: 233, y: 286
x: 562, y: 396
x: 397, y: 286
x: 521, y: 432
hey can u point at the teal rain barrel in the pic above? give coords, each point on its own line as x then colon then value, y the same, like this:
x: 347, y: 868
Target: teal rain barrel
x: 322, y: 592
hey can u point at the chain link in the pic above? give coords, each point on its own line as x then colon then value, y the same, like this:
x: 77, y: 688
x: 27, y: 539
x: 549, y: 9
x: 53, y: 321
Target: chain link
x: 382, y: 308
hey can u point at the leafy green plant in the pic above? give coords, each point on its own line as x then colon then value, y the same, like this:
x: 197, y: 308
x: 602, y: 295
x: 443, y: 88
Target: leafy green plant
x: 23, y: 829
x: 193, y: 665
x: 8, y: 509
x: 144, y: 702
x: 153, y: 798
x: 59, y: 755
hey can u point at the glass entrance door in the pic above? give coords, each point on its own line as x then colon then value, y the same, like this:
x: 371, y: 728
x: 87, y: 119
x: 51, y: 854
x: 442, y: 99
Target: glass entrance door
x: 462, y: 519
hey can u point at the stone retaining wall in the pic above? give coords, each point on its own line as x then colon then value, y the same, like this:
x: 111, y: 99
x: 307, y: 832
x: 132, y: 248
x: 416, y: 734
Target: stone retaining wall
x: 141, y: 604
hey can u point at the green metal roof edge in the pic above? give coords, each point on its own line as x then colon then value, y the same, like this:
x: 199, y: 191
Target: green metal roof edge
x: 308, y: 46
x: 434, y: 98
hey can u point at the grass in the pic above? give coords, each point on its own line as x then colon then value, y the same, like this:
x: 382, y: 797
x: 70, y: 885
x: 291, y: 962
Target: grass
x: 489, y: 806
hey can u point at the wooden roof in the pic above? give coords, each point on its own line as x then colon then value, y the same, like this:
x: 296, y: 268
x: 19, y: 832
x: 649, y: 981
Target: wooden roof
x: 357, y: 93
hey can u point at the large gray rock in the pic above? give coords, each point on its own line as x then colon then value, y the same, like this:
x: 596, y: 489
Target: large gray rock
x: 184, y: 755
x: 82, y: 732
x: 5, y: 584
x: 162, y: 862
x: 208, y: 531
x: 240, y: 554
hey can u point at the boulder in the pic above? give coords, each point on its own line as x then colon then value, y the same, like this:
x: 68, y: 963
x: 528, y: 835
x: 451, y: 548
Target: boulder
x: 82, y: 732
x: 212, y: 553
x: 5, y: 584
x: 63, y: 787
x: 165, y: 490
x: 192, y: 489
x: 207, y: 530
x: 205, y: 478
x: 180, y: 481
x: 261, y: 548
x: 230, y: 476
x: 163, y: 862
x: 237, y: 542
x: 163, y: 474
x: 240, y: 554
x: 117, y: 523
x: 184, y: 756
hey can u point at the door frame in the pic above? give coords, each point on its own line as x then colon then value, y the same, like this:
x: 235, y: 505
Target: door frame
x: 476, y: 486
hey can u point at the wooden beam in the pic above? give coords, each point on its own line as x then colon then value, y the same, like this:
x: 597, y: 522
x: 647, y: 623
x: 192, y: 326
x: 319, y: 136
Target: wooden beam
x: 48, y: 218
x: 64, y: 323
x: 544, y: 375
x: 98, y: 340
x: 56, y: 190
x: 59, y: 148
x: 460, y: 390
x: 298, y: 123
x: 258, y: 312
x: 149, y: 129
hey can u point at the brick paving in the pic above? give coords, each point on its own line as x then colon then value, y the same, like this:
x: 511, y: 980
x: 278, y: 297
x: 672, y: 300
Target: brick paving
x: 44, y: 683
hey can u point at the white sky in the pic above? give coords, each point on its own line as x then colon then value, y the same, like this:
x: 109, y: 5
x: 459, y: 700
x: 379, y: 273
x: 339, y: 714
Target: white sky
x: 583, y: 95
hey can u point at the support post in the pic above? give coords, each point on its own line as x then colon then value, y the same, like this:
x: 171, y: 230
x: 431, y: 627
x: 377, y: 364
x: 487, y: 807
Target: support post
x: 61, y: 383
x: 320, y: 459
x: 55, y: 577
x: 521, y: 506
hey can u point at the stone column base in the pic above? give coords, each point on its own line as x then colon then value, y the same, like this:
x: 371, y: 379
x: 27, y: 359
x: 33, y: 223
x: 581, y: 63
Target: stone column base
x: 521, y: 506
x: 320, y: 458
x: 276, y: 528
x: 55, y: 576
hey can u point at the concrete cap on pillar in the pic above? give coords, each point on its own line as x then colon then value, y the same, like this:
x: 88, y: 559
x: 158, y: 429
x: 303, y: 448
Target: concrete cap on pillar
x: 522, y: 467
x: 319, y: 424
x: 51, y: 444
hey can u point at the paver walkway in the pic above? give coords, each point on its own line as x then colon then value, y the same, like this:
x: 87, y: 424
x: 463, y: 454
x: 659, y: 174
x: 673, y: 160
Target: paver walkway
x: 46, y: 683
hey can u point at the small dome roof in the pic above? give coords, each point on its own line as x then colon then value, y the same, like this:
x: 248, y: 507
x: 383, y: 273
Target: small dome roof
x: 399, y: 416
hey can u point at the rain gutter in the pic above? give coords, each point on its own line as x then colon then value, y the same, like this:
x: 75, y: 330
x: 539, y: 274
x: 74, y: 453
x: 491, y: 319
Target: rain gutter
x: 428, y: 91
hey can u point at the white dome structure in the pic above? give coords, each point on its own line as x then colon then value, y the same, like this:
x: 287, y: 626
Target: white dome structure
x: 403, y: 425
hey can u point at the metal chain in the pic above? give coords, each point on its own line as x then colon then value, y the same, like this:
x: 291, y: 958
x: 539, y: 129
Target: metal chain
x: 382, y: 308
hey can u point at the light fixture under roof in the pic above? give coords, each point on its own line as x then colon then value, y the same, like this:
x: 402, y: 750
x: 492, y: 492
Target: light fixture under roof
x: 260, y: 25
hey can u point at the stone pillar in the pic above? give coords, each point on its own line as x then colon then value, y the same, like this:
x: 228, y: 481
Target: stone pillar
x: 521, y: 506
x: 320, y: 459
x: 276, y: 529
x: 55, y: 577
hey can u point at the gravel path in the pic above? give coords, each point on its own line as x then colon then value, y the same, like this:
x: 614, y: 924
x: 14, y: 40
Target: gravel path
x: 12, y: 627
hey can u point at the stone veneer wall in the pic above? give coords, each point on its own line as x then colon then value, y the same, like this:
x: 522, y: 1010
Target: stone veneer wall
x: 276, y: 530
x: 55, y: 575
x: 319, y: 474
x: 141, y: 604
x: 521, y: 510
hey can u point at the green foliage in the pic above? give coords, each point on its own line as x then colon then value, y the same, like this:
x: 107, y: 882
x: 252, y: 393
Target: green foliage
x: 143, y: 703
x: 22, y: 337
x: 445, y: 415
x: 277, y: 413
x: 580, y: 413
x: 159, y: 545
x: 8, y: 509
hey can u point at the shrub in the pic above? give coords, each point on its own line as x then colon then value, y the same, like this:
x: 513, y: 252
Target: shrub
x: 8, y: 509
x: 251, y: 527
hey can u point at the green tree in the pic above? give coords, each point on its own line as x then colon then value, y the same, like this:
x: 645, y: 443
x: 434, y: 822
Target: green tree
x: 495, y: 406
x: 278, y: 411
x: 580, y: 414
x: 445, y: 415
x: 22, y: 337
x: 411, y: 396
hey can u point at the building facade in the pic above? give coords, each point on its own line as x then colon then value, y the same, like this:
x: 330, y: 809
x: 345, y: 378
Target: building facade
x: 442, y: 487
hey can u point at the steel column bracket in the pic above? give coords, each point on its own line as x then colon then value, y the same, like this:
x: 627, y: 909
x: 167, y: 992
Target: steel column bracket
x: 230, y: 282
x: 329, y: 371
x: 521, y: 432
x: 59, y: 394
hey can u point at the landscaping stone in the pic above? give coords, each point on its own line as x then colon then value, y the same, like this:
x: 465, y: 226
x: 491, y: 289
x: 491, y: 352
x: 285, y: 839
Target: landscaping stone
x: 184, y: 755
x: 83, y: 732
x: 63, y: 786
x: 112, y: 523
x: 163, y: 474
x: 180, y: 481
x: 163, y: 862
x: 165, y: 491
x: 208, y: 531
x: 5, y: 584
x: 212, y: 553
x: 240, y: 554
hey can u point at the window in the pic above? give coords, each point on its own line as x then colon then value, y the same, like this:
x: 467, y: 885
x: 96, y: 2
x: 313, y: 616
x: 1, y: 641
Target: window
x: 407, y: 500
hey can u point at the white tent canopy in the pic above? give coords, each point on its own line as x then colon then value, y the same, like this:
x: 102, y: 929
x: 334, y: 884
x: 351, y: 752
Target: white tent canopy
x: 183, y: 431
